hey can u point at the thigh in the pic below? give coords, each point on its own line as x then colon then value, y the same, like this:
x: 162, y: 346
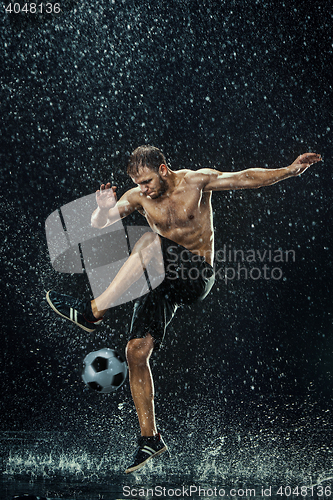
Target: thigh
x: 151, y: 315
x: 188, y: 276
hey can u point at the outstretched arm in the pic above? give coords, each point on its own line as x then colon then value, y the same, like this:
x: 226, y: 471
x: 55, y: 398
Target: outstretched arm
x: 255, y: 177
x: 109, y: 210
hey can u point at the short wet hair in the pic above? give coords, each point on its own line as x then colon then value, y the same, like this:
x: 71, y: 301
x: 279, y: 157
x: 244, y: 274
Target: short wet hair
x: 145, y: 156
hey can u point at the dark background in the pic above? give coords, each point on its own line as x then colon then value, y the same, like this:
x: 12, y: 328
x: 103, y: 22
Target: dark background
x: 226, y: 84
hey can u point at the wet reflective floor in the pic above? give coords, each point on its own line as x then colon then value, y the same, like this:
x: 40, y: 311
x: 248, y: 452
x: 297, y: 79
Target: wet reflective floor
x: 295, y: 461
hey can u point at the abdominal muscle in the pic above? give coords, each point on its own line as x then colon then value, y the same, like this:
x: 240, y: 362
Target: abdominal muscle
x: 197, y: 237
x: 185, y: 217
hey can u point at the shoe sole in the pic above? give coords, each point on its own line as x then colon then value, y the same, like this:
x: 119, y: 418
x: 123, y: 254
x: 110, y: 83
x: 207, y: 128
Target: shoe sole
x: 133, y: 469
x: 66, y: 317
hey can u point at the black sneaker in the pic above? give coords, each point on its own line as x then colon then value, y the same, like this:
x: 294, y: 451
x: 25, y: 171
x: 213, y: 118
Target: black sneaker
x: 149, y: 447
x: 72, y: 309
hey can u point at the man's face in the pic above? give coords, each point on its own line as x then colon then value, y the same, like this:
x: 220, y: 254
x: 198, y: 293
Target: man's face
x: 150, y: 182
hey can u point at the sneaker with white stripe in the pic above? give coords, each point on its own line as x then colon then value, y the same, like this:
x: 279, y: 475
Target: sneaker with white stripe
x: 72, y: 309
x: 149, y: 447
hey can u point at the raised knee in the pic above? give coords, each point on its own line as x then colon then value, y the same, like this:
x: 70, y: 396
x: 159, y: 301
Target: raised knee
x: 146, y: 241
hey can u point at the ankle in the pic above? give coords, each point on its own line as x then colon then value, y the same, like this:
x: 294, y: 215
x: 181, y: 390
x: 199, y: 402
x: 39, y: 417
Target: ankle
x: 150, y: 435
x: 89, y: 314
x: 95, y: 312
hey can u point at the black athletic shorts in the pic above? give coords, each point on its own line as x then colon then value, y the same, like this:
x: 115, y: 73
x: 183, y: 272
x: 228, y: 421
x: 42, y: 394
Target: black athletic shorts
x: 188, y: 279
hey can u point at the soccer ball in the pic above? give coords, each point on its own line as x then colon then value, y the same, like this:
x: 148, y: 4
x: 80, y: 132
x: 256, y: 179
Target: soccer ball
x: 104, y: 371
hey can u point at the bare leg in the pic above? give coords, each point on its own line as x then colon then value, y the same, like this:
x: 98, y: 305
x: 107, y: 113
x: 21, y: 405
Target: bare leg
x: 141, y: 382
x: 147, y: 247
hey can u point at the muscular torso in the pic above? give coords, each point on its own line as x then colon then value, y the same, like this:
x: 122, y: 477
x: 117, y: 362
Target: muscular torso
x: 183, y: 215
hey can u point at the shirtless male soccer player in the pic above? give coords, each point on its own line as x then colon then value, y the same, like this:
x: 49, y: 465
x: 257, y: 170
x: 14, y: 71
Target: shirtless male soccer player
x: 177, y: 206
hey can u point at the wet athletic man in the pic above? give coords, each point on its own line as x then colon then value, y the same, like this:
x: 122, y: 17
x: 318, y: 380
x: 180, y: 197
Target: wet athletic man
x: 177, y: 206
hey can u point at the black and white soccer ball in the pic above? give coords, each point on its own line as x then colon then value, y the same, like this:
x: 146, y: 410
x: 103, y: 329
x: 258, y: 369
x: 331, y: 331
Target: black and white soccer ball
x: 104, y: 371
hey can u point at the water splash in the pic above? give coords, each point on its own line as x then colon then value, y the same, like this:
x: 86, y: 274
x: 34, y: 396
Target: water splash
x: 254, y: 458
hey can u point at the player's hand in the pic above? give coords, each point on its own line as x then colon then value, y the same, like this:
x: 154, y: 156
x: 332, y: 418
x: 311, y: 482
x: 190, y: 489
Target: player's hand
x: 106, y: 196
x: 303, y: 162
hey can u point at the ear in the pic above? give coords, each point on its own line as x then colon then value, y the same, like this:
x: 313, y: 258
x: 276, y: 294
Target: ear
x: 163, y: 169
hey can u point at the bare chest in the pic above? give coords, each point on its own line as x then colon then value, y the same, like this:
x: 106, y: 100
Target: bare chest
x: 180, y: 210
